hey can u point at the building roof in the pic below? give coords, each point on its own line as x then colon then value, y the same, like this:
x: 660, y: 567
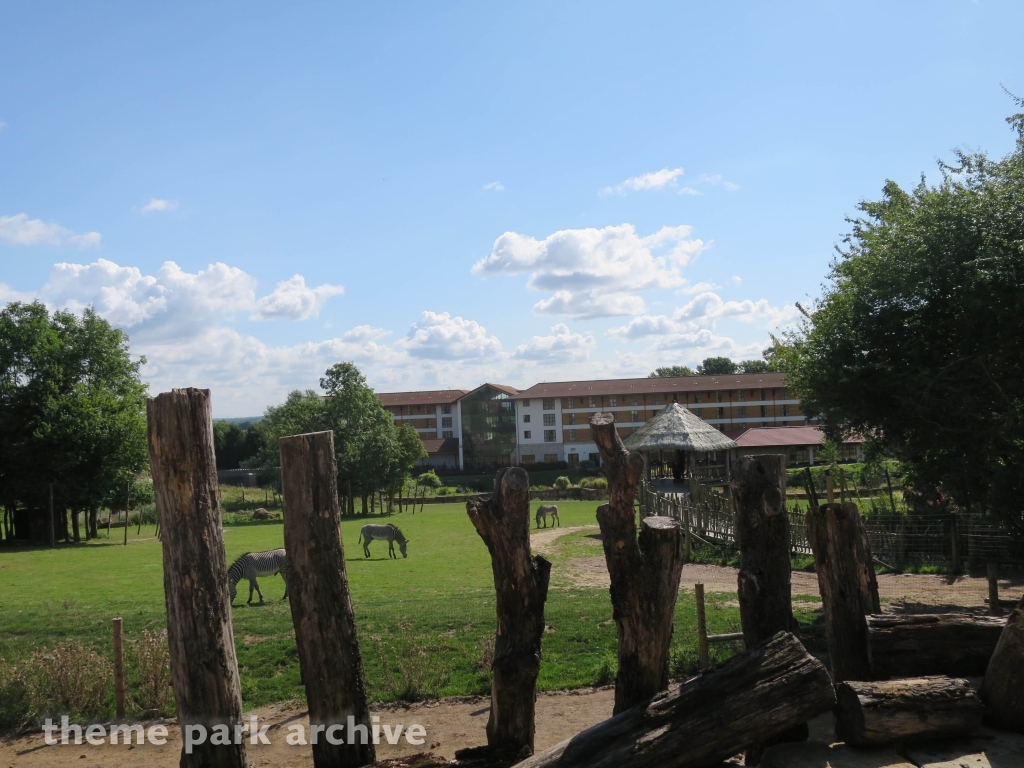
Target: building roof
x: 426, y: 397
x: 441, y: 445
x: 511, y: 391
x: 652, y: 386
x: 676, y: 428
x: 770, y: 437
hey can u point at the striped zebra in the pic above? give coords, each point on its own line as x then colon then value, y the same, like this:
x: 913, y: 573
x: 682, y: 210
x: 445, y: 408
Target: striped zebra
x: 253, y: 564
x: 389, y: 533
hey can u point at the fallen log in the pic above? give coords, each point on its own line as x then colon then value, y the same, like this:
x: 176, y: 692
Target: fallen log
x: 892, y: 711
x: 954, y: 644
x: 749, y: 699
x: 1001, y: 690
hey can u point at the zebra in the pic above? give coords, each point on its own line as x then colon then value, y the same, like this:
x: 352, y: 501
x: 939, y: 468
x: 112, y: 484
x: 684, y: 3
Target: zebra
x: 544, y: 511
x: 389, y: 533
x: 253, y: 564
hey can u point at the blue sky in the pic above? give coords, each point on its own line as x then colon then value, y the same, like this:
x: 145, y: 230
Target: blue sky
x: 453, y: 193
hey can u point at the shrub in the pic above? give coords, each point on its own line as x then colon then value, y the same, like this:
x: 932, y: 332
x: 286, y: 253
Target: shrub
x: 15, y: 707
x: 429, y: 479
x: 594, y: 482
x: 72, y: 679
x: 412, y: 674
x: 149, y: 661
x: 562, y: 482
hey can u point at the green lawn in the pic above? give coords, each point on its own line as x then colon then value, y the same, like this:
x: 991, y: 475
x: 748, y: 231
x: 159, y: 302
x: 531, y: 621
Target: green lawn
x: 424, y: 622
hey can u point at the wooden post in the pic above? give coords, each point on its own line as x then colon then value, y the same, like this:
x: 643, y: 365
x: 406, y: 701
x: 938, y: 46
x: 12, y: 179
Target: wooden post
x: 992, y: 572
x: 702, y: 627
x: 118, y: 669
x: 50, y: 527
x: 846, y: 580
x: 830, y: 487
x: 762, y: 535
x: 644, y: 572
x: 325, y: 627
x: 521, y: 583
x: 127, y: 505
x: 888, y: 482
x: 204, y: 670
x: 1004, y: 678
x: 709, y: 718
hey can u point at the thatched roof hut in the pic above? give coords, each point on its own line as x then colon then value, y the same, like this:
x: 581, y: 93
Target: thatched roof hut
x: 676, y: 428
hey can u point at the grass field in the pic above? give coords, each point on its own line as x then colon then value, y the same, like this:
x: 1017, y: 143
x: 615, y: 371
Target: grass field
x: 425, y: 622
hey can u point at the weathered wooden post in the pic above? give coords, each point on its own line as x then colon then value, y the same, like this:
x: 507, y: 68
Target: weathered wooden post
x: 846, y: 580
x: 325, y: 628
x: 702, y: 627
x: 644, y: 572
x: 762, y: 534
x: 118, y: 669
x: 1004, y: 678
x: 521, y: 583
x: 992, y: 573
x: 204, y: 671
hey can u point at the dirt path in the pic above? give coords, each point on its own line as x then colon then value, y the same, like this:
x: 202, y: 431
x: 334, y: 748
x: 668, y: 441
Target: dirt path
x: 451, y: 724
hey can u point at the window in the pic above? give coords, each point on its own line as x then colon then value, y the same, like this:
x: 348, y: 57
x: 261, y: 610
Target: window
x: 595, y: 458
x: 764, y: 411
x: 762, y: 395
x: 739, y: 395
x: 721, y: 413
x: 446, y: 422
x: 571, y: 418
x: 634, y: 400
x: 446, y: 408
x: 549, y: 419
x: 549, y: 404
x: 743, y: 425
x: 431, y: 423
x: 549, y: 437
x: 529, y: 458
x: 526, y: 419
x: 718, y: 397
x: 743, y: 411
x: 550, y: 458
x: 527, y: 435
x: 785, y: 423
x: 634, y: 416
x: 591, y: 401
x: 654, y: 399
x: 526, y: 404
x: 569, y: 401
x: 572, y: 435
x: 785, y: 410
x: 612, y: 401
x: 785, y: 393
x: 696, y: 397
x: 446, y: 433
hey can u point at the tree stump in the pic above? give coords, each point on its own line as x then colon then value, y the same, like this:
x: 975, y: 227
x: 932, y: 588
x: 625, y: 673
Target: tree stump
x: 521, y: 583
x: 874, y: 714
x: 204, y: 670
x: 1002, y: 690
x: 955, y: 644
x: 846, y: 580
x: 752, y: 697
x: 325, y: 629
x: 762, y: 534
x: 644, y: 572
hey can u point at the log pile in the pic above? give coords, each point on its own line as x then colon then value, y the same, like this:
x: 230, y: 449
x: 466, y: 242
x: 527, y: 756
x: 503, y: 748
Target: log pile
x: 955, y: 644
x: 894, y: 711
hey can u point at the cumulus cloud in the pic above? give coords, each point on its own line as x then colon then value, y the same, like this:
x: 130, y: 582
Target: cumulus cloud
x: 594, y: 272
x: 710, y: 306
x: 443, y: 337
x: 156, y: 204
x: 716, y: 180
x: 19, y: 229
x: 644, y: 326
x: 362, y: 333
x: 292, y: 299
x: 495, y: 186
x: 653, y: 180
x: 561, y: 345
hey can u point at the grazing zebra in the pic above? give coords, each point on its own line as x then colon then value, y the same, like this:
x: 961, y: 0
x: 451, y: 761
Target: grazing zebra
x: 253, y: 564
x: 389, y: 533
x: 544, y: 511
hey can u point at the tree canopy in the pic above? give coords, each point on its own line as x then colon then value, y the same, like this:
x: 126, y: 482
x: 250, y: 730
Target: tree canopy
x: 72, y: 413
x: 918, y: 339
x: 671, y: 372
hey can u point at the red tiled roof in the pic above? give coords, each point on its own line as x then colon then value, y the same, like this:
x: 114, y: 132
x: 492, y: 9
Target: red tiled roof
x: 643, y: 386
x: 426, y: 397
x: 441, y: 445
x: 771, y: 437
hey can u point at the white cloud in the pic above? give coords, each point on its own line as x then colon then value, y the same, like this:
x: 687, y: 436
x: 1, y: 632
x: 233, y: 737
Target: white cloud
x: 594, y: 272
x: 2, y: 125
x: 737, y: 280
x: 19, y: 229
x: 495, y: 186
x: 645, y: 326
x: 560, y: 346
x: 716, y: 180
x: 362, y: 333
x: 155, y: 204
x: 443, y: 337
x: 8, y: 294
x: 654, y: 180
x: 293, y: 300
x: 710, y: 306
x: 689, y: 191
x: 697, y: 288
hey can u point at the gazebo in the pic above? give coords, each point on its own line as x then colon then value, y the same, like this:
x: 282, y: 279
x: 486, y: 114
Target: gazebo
x: 695, y: 449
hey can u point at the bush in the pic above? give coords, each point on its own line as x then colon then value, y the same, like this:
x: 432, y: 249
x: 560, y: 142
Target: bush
x: 72, y: 679
x: 429, y: 479
x: 149, y: 660
x: 562, y: 482
x: 15, y: 708
x: 594, y: 482
x: 411, y: 674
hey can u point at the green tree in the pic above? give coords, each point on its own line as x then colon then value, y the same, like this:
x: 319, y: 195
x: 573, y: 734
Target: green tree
x: 671, y: 371
x: 716, y: 366
x: 233, y: 445
x: 753, y: 366
x: 918, y: 340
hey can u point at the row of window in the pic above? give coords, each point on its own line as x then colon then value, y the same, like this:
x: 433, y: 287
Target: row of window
x: 718, y: 396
